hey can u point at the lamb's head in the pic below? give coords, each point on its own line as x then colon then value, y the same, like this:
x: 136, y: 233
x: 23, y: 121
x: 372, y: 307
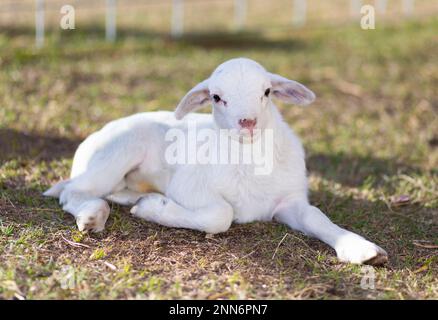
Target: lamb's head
x: 240, y: 91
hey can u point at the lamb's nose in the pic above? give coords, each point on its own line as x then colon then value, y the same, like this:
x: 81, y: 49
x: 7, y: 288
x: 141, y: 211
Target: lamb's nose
x: 248, y: 123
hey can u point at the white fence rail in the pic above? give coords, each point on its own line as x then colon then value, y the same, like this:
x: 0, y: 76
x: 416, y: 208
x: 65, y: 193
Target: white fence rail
x: 299, y: 13
x: 240, y: 8
x: 177, y: 28
x: 110, y: 21
x: 298, y: 9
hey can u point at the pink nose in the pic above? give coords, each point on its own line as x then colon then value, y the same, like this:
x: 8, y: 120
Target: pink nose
x: 248, y: 123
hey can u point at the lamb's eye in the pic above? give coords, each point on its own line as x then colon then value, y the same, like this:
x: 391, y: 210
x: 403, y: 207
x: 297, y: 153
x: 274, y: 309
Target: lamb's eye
x: 267, y: 92
x: 216, y: 98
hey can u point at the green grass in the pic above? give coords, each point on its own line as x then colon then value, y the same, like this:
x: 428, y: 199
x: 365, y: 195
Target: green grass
x: 371, y: 137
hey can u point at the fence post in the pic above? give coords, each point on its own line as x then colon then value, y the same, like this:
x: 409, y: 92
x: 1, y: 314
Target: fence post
x: 381, y: 6
x: 110, y: 21
x: 177, y: 18
x: 355, y: 6
x: 39, y: 23
x: 408, y: 7
x: 299, y: 13
x: 240, y: 7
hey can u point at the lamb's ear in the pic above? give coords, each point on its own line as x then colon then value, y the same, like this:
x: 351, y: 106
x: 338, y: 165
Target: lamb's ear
x: 196, y: 98
x: 290, y: 91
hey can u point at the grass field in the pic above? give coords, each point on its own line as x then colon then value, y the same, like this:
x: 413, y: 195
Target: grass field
x: 372, y: 152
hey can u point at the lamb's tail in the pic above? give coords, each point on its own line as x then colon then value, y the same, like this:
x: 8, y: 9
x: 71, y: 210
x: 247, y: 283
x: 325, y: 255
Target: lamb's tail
x: 56, y: 190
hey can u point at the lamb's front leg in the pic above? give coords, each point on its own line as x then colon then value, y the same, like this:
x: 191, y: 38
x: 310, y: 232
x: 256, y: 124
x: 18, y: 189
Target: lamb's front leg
x: 213, y: 218
x: 350, y: 247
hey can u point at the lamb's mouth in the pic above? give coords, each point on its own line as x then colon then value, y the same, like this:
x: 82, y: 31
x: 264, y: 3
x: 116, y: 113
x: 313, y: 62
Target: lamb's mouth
x: 249, y: 137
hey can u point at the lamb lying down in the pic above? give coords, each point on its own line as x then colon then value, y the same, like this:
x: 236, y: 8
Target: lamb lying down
x: 131, y: 157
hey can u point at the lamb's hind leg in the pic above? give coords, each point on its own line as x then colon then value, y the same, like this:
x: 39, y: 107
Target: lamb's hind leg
x: 82, y: 197
x: 90, y: 212
x: 99, y: 169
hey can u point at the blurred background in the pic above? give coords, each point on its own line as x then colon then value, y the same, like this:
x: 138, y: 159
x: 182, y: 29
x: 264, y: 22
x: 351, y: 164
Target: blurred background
x: 371, y: 140
x: 214, y: 15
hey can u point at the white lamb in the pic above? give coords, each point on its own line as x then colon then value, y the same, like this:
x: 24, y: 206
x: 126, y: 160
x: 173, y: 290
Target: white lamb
x: 125, y: 160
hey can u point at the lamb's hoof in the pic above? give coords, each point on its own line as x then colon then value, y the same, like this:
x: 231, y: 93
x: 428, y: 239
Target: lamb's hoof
x: 93, y: 216
x: 355, y: 249
x: 150, y: 206
x: 379, y: 260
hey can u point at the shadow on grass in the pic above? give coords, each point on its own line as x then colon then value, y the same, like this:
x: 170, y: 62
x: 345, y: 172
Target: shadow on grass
x: 240, y: 40
x: 355, y: 171
x: 31, y: 146
x: 223, y: 40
